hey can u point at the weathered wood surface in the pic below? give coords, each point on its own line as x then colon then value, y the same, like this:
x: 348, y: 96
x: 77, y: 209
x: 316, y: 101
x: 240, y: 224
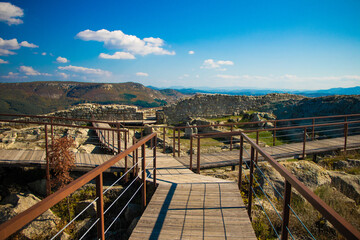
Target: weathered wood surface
x: 37, y: 158
x: 191, y: 206
x: 231, y: 158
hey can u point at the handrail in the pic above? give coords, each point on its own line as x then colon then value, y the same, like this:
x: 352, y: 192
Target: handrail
x: 217, y: 134
x: 54, y: 117
x: 330, y: 214
x: 20, y: 220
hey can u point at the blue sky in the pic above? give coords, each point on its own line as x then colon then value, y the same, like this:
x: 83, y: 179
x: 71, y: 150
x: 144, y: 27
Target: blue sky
x: 237, y: 44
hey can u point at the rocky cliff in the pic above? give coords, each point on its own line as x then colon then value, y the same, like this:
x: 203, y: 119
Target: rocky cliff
x: 214, y: 105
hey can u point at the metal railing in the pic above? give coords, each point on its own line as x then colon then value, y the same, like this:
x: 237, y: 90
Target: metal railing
x: 313, y: 123
x: 303, y: 135
x: 16, y: 223
x: 344, y: 227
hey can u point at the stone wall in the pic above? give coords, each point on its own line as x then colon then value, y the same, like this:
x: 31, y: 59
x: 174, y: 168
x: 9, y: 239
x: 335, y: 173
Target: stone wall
x: 101, y: 112
x: 215, y: 105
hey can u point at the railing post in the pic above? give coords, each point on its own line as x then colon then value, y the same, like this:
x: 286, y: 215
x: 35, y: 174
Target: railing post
x: 113, y: 141
x: 313, y: 129
x: 126, y: 158
x: 118, y: 138
x: 48, y: 184
x: 100, y: 207
x: 345, y: 137
x: 154, y: 163
x: 191, y: 151
x: 173, y: 142
x: 179, y: 142
x: 163, y: 139
x: 257, y: 143
x: 133, y: 153
x: 137, y: 160
x: 52, y: 131
x: 108, y: 139
x: 231, y: 138
x: 304, y: 143
x: 286, y: 211
x: 143, y: 177
x: 240, y: 161
x: 198, y: 156
x: 274, y: 134
x: 251, y: 181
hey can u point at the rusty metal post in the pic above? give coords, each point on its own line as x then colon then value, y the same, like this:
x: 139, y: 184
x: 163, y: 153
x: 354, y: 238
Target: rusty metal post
x: 154, y: 163
x: 191, y: 151
x: 304, y: 143
x: 100, y: 207
x: 179, y: 142
x: 173, y: 142
x: 313, y: 129
x: 286, y: 211
x: 163, y: 139
x: 143, y: 177
x: 346, y: 127
x: 141, y: 132
x: 118, y: 138
x: 113, y: 141
x: 198, y: 156
x: 151, y: 142
x: 137, y: 161
x: 52, y: 131
x: 274, y: 134
x: 126, y: 158
x: 108, y: 139
x: 240, y: 161
x: 128, y: 138
x: 231, y: 138
x: 133, y: 157
x: 48, y: 184
x: 251, y: 181
x: 257, y: 143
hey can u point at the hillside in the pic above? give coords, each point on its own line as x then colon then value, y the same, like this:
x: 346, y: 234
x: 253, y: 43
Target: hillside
x: 44, y: 97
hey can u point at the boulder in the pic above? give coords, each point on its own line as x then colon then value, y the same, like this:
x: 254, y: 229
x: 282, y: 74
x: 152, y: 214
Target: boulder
x: 38, y: 186
x: 43, y: 226
x: 89, y: 212
x: 188, y: 131
x: 347, y: 184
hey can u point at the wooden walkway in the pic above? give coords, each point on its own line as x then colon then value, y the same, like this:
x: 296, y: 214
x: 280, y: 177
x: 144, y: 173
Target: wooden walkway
x: 231, y: 158
x: 36, y: 158
x: 191, y: 206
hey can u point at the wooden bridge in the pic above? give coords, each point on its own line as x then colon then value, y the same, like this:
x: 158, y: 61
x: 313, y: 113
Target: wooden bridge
x: 185, y: 205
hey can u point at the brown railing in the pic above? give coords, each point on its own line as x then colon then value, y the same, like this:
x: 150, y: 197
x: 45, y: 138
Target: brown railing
x: 177, y: 130
x: 16, y: 223
x: 238, y: 133
x: 344, y: 227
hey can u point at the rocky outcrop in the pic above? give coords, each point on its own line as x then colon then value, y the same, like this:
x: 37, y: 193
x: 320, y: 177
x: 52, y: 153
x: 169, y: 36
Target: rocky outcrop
x: 215, y: 105
x: 42, y: 227
x: 349, y: 185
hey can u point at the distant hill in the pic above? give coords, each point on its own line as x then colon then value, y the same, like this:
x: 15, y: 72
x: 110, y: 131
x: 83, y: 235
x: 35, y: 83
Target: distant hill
x: 258, y: 92
x: 44, y: 97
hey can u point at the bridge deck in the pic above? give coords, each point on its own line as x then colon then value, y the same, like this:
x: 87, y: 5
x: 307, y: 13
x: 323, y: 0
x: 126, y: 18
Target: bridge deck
x: 191, y: 206
x: 231, y: 158
x: 36, y: 158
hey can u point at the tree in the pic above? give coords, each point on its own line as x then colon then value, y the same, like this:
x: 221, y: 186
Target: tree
x: 61, y: 160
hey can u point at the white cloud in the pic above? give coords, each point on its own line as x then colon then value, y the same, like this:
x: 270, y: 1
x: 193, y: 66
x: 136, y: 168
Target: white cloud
x: 44, y: 54
x: 142, y: 74
x: 61, y: 60
x: 211, y: 64
x: 64, y: 75
x: 12, y: 75
x: 3, y: 61
x: 85, y: 70
x: 10, y: 14
x: 191, y: 52
x: 27, y: 44
x: 12, y: 44
x: 29, y: 71
x: 117, y: 55
x: 129, y: 43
